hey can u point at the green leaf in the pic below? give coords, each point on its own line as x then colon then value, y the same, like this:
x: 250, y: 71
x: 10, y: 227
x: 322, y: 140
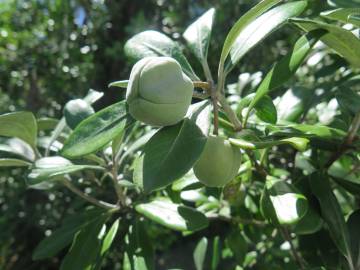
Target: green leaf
x: 344, y: 3
x: 169, y: 155
x: 109, y: 238
x: 13, y: 162
x: 216, y: 253
x: 200, y: 253
x: 238, y: 245
x: 173, y: 216
x: 309, y: 224
x: 91, y: 97
x: 97, y: 131
x: 200, y: 113
x: 344, y: 15
x: 261, y: 27
x: 286, y: 67
x: 153, y: 43
x: 62, y: 237
x: 47, y: 123
x: 86, y: 246
x: 21, y: 125
x: 298, y: 143
x: 241, y: 24
x: 294, y: 103
x: 198, y: 34
x: 353, y: 224
x: 331, y: 212
x: 121, y: 84
x: 348, y: 100
x: 310, y: 131
x: 54, y: 168
x: 342, y: 41
x: 266, y: 111
x: 282, y: 203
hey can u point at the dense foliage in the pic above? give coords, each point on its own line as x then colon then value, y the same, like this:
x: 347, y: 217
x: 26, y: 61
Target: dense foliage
x: 103, y: 179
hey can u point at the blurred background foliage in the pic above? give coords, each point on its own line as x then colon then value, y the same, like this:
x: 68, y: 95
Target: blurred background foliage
x: 52, y: 51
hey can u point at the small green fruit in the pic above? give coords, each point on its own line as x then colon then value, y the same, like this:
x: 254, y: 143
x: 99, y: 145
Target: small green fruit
x: 75, y: 111
x: 158, y: 93
x: 218, y: 163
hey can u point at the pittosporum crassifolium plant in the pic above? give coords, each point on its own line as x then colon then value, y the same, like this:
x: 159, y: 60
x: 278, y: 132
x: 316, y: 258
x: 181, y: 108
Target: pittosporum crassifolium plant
x: 263, y: 172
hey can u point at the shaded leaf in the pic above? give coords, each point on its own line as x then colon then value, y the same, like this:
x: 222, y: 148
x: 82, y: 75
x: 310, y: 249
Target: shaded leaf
x: 86, y: 246
x: 331, y: 212
x: 286, y: 67
x: 62, y: 237
x: 164, y: 160
x: 266, y: 110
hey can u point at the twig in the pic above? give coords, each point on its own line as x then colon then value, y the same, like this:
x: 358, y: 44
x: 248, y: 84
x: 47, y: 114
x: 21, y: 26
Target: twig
x: 258, y: 166
x: 200, y: 95
x: 203, y: 85
x: 88, y: 198
x: 355, y: 125
x: 296, y: 255
x: 214, y: 100
x: 118, y: 189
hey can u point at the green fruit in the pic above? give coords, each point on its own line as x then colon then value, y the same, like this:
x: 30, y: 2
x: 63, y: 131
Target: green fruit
x: 218, y: 163
x: 158, y: 93
x: 75, y: 111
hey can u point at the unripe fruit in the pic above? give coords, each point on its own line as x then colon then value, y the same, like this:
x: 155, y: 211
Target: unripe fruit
x: 158, y: 93
x: 75, y: 111
x: 218, y: 163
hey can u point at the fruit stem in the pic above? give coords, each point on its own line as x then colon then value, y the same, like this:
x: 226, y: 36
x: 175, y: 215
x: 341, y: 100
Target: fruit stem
x: 230, y: 113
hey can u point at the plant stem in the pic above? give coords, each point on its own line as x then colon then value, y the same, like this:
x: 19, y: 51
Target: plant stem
x: 230, y: 113
x: 88, y: 198
x: 296, y: 255
x: 355, y: 125
x: 200, y: 95
x: 118, y: 189
x: 203, y: 85
x: 214, y: 99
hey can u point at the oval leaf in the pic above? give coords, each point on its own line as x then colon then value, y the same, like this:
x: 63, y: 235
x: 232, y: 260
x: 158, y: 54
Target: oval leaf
x: 21, y: 125
x: 173, y: 216
x: 282, y: 203
x: 169, y: 155
x: 96, y: 131
x: 198, y: 34
x: 153, y: 43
